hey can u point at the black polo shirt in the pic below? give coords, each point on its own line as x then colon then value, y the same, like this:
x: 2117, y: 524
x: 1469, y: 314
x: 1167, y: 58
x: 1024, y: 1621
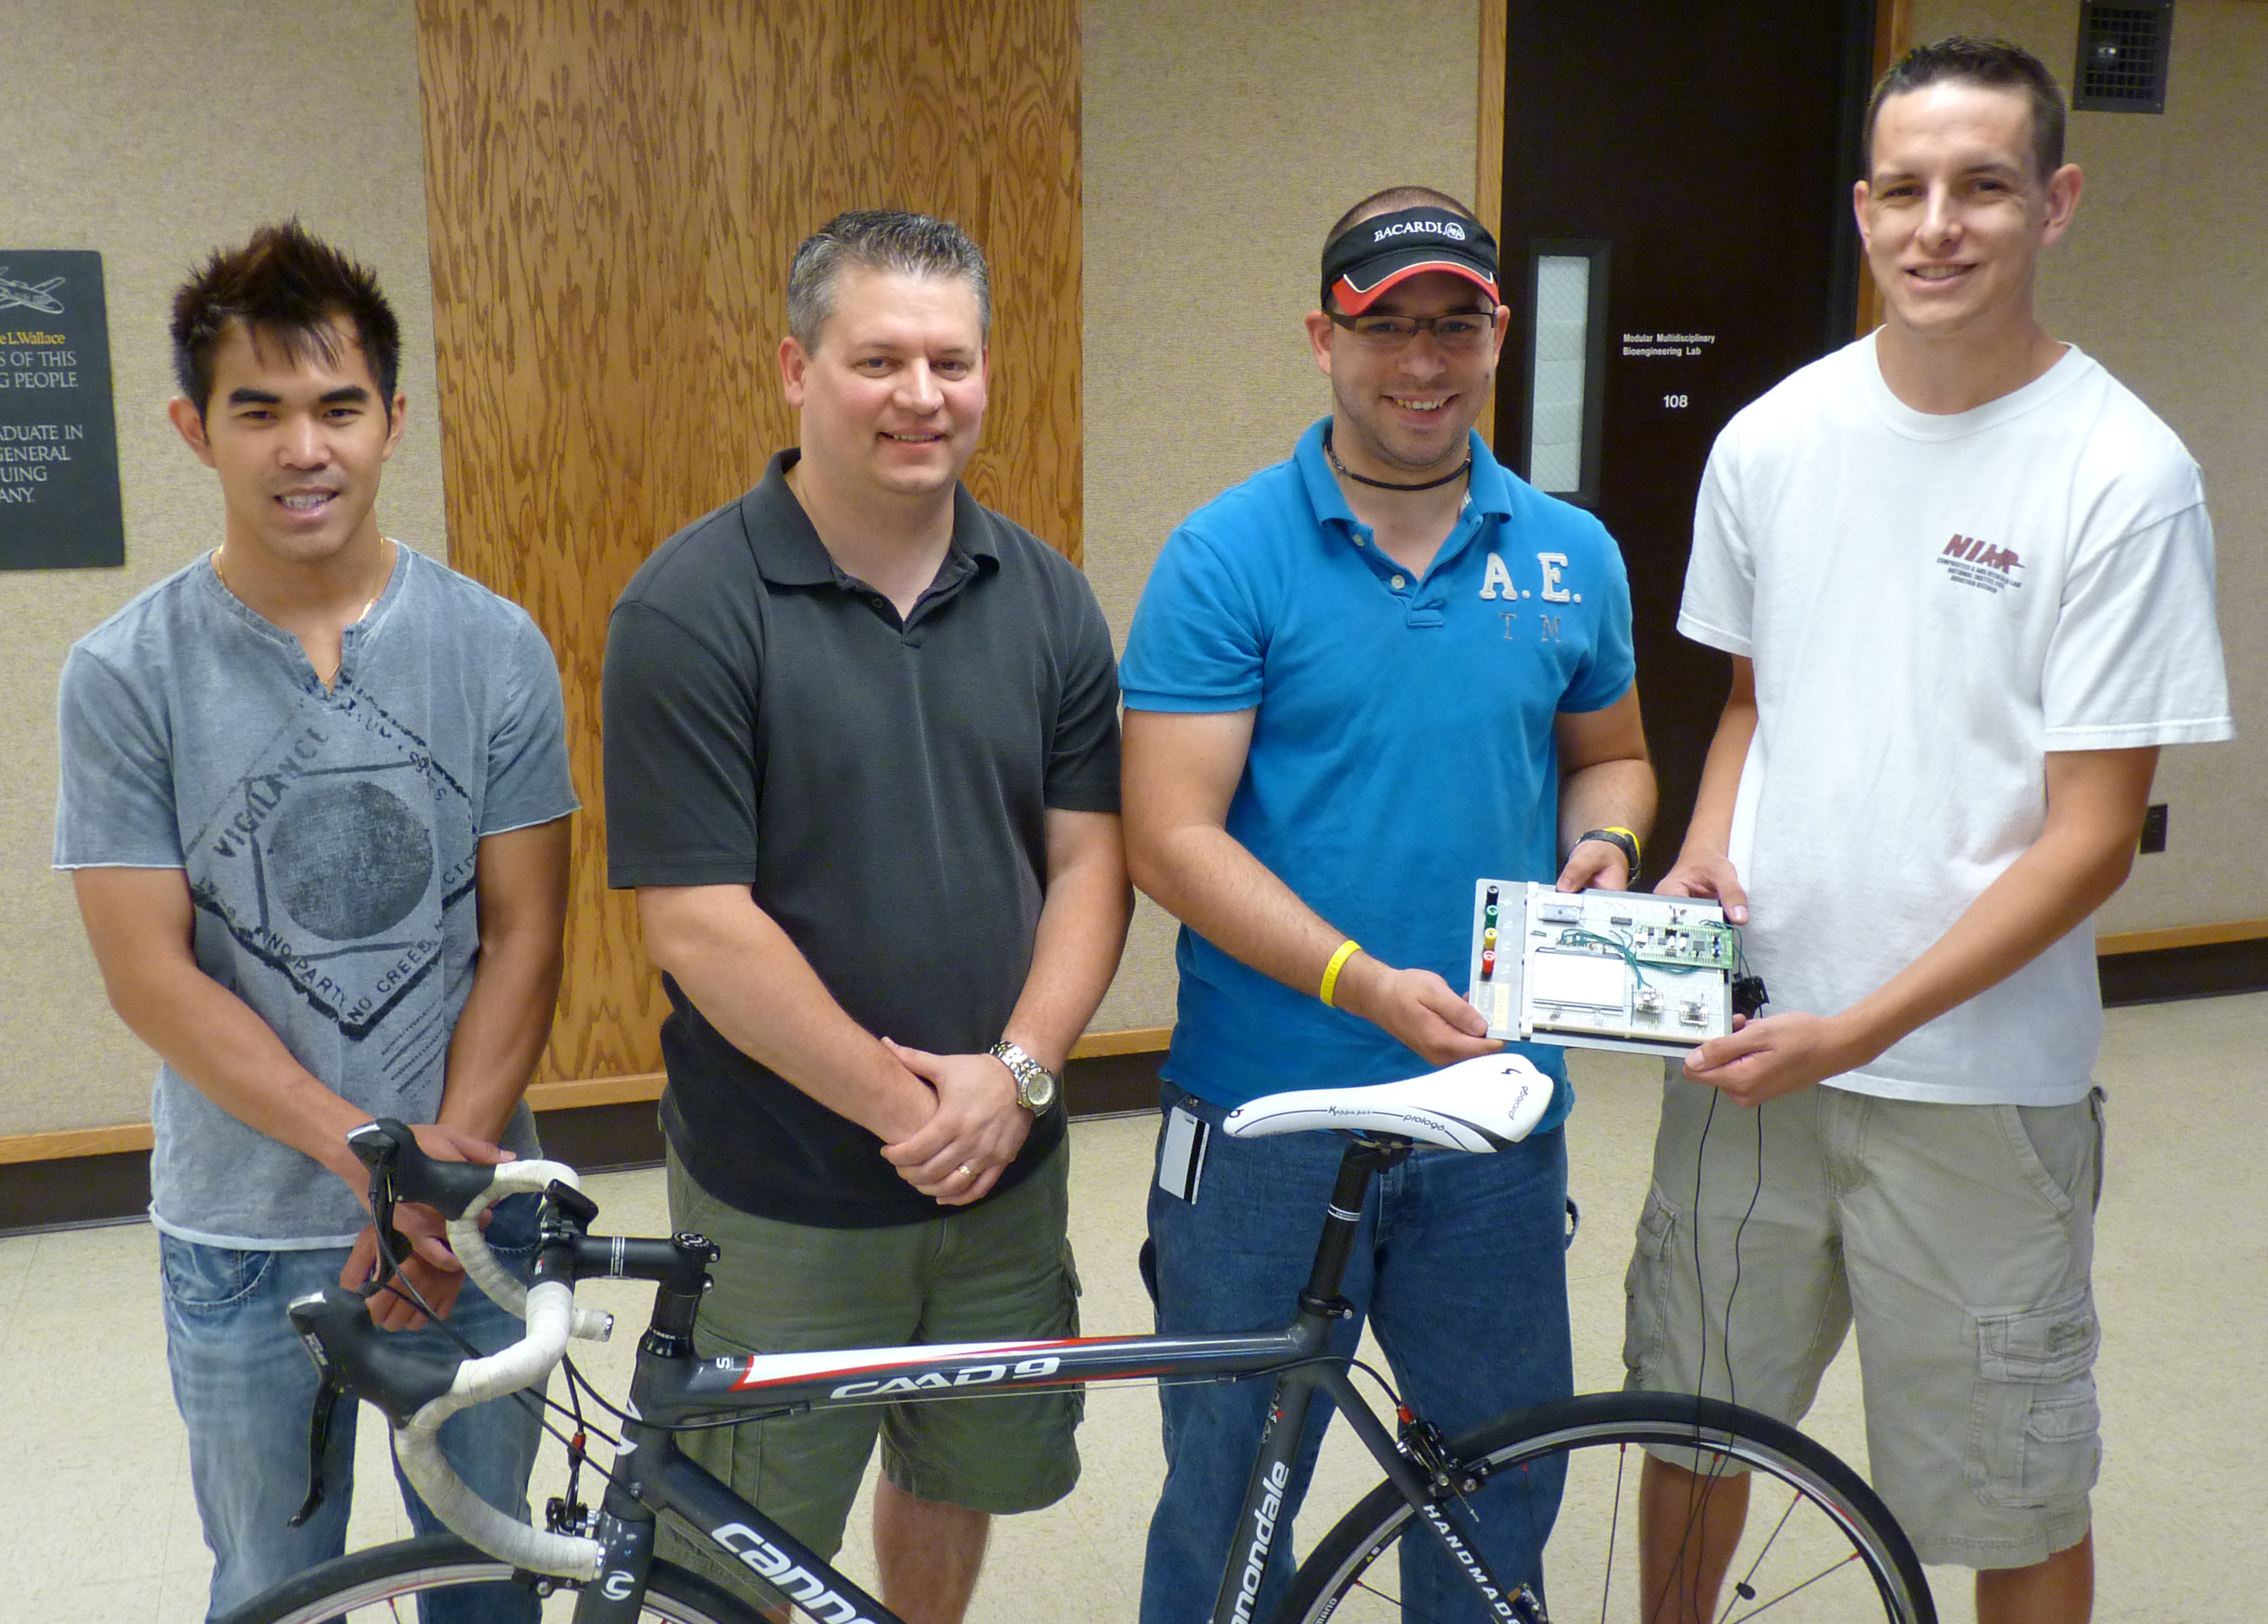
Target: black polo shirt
x: 881, y: 787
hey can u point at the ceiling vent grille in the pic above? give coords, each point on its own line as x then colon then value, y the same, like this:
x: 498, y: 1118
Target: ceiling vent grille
x: 2122, y: 57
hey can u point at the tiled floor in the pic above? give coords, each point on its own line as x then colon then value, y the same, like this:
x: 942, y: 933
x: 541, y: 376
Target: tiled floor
x: 95, y: 1506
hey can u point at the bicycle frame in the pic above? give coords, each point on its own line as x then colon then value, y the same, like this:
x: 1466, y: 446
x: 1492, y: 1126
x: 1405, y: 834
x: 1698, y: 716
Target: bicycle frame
x: 671, y: 1388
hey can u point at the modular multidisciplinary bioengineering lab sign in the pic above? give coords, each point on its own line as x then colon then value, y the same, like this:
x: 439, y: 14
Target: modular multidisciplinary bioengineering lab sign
x: 59, y: 506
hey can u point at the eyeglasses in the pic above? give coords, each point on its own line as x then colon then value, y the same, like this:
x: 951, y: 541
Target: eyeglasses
x: 1463, y: 330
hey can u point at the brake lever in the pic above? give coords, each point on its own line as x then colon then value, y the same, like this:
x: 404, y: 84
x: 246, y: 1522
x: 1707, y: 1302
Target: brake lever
x: 392, y: 1253
x: 393, y: 1247
x: 319, y: 1422
x: 379, y: 1151
x: 332, y: 1387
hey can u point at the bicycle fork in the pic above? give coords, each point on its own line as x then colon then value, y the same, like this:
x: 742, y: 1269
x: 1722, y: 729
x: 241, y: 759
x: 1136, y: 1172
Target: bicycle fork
x: 650, y: 1473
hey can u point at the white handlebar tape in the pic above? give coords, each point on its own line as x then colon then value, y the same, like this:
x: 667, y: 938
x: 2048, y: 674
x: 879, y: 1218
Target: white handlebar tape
x: 551, y: 1307
x: 472, y: 1248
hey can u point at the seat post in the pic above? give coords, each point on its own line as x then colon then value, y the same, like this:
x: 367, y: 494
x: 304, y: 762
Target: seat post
x: 1367, y: 1155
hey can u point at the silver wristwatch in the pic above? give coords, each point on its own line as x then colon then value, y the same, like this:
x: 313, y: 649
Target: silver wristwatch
x: 1035, y: 1084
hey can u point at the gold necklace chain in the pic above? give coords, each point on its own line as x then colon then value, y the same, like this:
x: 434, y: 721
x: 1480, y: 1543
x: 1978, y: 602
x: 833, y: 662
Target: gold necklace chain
x: 384, y: 574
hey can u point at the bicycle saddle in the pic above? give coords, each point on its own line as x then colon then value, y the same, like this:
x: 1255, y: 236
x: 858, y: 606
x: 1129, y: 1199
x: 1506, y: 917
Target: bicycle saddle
x: 1484, y: 1103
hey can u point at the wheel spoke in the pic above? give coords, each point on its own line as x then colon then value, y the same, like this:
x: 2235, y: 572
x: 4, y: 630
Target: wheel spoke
x: 1614, y: 1526
x: 1791, y: 1590
x: 1827, y: 1552
x: 1746, y: 1584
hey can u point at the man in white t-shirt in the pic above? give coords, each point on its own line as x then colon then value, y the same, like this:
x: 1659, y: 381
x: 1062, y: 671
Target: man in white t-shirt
x: 1966, y: 580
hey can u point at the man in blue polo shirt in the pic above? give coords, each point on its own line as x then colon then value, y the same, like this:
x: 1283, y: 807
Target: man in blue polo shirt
x: 1356, y: 683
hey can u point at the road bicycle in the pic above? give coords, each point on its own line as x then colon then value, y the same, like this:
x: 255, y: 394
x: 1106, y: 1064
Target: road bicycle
x: 1820, y: 1545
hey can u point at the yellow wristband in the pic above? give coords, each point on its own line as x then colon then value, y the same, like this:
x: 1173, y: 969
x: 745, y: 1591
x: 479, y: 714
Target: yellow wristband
x: 1347, y: 950
x: 1637, y: 846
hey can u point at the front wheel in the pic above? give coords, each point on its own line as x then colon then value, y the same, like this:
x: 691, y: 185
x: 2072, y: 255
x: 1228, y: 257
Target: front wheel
x: 1817, y: 1545
x: 433, y: 1578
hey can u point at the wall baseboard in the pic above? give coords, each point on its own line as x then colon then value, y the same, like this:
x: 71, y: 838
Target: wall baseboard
x: 72, y: 1192
x: 2179, y: 936
x: 90, y: 1175
x: 574, y: 1094
x: 597, y: 1124
x: 75, y: 1144
x: 2213, y: 967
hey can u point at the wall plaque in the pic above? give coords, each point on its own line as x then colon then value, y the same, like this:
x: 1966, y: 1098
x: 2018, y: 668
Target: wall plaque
x: 59, y: 508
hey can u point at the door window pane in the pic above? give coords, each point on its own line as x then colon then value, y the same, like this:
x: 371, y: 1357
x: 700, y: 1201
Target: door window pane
x: 1562, y: 349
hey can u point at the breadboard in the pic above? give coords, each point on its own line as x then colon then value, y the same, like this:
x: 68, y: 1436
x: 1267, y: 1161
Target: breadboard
x: 1602, y: 970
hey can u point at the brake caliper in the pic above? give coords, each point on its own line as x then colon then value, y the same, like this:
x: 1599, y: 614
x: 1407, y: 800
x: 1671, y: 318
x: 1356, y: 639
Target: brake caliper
x: 1422, y: 1443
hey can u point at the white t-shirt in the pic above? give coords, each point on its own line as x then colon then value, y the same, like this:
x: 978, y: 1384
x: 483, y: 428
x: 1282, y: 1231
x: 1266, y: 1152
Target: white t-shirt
x: 1933, y: 603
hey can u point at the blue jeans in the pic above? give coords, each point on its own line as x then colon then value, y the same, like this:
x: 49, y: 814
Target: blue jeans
x: 244, y: 1387
x: 1460, y: 1263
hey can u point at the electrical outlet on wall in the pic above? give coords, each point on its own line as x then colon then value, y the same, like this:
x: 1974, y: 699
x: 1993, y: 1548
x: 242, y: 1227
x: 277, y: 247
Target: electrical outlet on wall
x: 2154, y: 829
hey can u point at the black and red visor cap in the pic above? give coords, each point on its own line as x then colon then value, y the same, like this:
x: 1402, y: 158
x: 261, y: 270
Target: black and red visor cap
x: 1374, y: 255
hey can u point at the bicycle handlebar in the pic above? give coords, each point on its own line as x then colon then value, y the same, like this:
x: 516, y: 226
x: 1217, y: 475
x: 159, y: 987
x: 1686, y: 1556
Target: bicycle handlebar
x: 462, y: 1192
x: 550, y: 1310
x: 417, y: 1393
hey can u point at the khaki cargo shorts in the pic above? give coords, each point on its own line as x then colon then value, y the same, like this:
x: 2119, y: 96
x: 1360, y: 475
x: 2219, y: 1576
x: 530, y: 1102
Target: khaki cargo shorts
x: 1958, y: 1240
x: 1000, y: 1271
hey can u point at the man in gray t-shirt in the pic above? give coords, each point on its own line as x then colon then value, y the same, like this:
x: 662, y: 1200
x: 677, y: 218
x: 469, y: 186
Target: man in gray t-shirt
x: 314, y: 801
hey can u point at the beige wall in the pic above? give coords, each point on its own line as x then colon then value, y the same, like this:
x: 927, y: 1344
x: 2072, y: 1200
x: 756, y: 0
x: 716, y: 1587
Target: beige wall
x: 2163, y: 278
x: 1226, y: 134
x: 1222, y: 138
x: 153, y: 130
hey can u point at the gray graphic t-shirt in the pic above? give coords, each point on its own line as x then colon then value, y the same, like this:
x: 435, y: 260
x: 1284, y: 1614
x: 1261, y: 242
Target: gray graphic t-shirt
x: 328, y: 838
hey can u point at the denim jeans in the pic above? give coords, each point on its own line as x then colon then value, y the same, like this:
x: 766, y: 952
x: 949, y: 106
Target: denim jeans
x: 1461, y: 1265
x: 244, y: 1387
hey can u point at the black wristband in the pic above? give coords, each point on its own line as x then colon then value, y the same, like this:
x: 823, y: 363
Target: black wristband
x: 1623, y: 842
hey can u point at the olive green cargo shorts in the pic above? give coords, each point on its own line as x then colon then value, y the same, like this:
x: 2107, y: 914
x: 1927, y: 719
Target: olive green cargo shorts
x: 1001, y: 1271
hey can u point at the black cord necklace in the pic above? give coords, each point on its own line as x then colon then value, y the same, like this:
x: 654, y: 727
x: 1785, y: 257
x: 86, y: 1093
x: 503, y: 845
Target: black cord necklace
x: 1459, y: 472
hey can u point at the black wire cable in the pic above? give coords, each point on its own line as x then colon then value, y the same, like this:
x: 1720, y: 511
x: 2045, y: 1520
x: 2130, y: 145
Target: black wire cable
x: 1739, y: 1229
x: 1375, y: 1375
x: 394, y: 1281
x: 1576, y: 937
x: 1698, y: 1498
x: 1721, y: 1462
x: 1700, y: 1280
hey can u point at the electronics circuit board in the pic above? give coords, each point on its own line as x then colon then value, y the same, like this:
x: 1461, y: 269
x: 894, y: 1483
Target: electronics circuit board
x: 1602, y: 970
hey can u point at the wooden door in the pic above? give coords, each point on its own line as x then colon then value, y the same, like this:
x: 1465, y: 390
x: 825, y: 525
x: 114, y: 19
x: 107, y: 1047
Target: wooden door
x: 613, y: 191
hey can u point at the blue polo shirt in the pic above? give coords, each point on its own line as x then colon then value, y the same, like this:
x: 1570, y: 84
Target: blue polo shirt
x: 1404, y: 746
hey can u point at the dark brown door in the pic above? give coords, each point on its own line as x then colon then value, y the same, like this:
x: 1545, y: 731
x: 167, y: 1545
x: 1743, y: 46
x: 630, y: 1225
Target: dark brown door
x: 1710, y: 151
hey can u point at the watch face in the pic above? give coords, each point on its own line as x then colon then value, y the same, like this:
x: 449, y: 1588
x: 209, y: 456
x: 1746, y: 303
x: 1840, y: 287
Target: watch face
x: 1035, y: 1084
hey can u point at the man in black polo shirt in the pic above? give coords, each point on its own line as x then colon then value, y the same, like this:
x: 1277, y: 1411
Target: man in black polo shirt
x: 862, y: 768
